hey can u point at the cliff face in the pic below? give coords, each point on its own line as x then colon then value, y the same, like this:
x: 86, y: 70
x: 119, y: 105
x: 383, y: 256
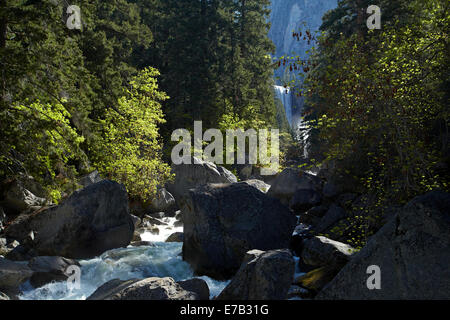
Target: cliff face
x: 289, y: 15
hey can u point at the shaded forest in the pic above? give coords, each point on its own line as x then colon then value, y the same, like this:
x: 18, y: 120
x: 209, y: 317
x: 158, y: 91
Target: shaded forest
x: 108, y: 96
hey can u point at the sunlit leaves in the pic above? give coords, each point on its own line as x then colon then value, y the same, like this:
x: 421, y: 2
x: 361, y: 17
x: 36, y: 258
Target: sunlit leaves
x: 380, y: 103
x: 130, y: 148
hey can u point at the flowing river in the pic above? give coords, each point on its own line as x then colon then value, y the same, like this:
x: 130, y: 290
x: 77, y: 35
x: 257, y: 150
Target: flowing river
x: 163, y: 259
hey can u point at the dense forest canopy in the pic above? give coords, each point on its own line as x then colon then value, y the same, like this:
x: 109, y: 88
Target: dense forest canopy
x: 378, y: 100
x: 73, y: 100
x: 109, y: 96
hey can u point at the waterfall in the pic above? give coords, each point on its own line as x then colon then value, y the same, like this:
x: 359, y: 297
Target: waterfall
x: 288, y: 16
x: 285, y: 96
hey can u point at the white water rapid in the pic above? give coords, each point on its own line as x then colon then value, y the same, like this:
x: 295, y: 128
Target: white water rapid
x: 163, y: 259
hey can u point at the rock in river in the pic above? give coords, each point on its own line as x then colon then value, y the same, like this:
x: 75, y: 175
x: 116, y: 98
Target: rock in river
x: 91, y: 221
x: 146, y: 289
x: 262, y: 276
x: 224, y: 221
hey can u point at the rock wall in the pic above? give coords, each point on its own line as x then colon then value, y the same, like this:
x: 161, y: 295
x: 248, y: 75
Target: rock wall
x: 289, y: 15
x: 286, y: 16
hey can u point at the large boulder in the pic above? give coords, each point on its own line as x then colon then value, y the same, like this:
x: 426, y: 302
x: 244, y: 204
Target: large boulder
x: 290, y: 180
x: 91, y: 221
x: 163, y: 202
x: 224, y: 221
x: 176, y: 237
x: 17, y: 198
x: 331, y: 190
x: 227, y: 174
x: 333, y: 215
x: 259, y: 184
x: 20, y: 252
x: 321, y: 251
x: 149, y: 221
x: 13, y: 250
x: 268, y: 176
x: 136, y: 221
x: 196, y: 285
x: 316, y: 279
x: 146, y: 289
x: 412, y: 252
x: 3, y: 246
x: 142, y: 244
x: 6, y: 246
x: 303, y: 200
x: 188, y: 176
x: 49, y: 269
x: 90, y: 178
x: 262, y: 276
x: 12, y: 275
x: 243, y: 171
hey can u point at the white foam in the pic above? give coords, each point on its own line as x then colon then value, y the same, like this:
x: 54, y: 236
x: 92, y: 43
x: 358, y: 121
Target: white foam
x: 164, y: 231
x: 160, y: 260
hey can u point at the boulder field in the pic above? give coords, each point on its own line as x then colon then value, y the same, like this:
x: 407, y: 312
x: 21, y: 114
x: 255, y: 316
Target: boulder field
x: 91, y: 221
x: 412, y: 252
x: 246, y: 232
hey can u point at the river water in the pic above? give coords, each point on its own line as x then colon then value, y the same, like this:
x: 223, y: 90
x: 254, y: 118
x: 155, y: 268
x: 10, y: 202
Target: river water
x: 163, y: 259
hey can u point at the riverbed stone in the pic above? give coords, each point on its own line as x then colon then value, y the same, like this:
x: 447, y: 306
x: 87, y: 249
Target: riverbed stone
x: 17, y: 198
x: 224, y: 221
x: 163, y: 202
x: 412, y: 252
x: 90, y: 178
x: 176, y: 237
x: 199, y: 172
x: 196, y: 285
x: 289, y: 181
x: 321, y: 251
x: 262, y: 276
x: 13, y: 274
x: 91, y: 221
x: 145, y: 289
x: 49, y: 269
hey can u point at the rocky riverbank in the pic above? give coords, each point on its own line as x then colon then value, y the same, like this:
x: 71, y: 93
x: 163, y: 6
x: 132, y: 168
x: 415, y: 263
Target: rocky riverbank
x: 207, y: 235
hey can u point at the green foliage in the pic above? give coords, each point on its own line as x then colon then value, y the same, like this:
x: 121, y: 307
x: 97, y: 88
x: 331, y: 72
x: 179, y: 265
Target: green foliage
x: 130, y: 148
x: 250, y: 118
x: 377, y: 101
x: 44, y: 132
x: 381, y: 105
x: 63, y: 107
x: 213, y: 58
